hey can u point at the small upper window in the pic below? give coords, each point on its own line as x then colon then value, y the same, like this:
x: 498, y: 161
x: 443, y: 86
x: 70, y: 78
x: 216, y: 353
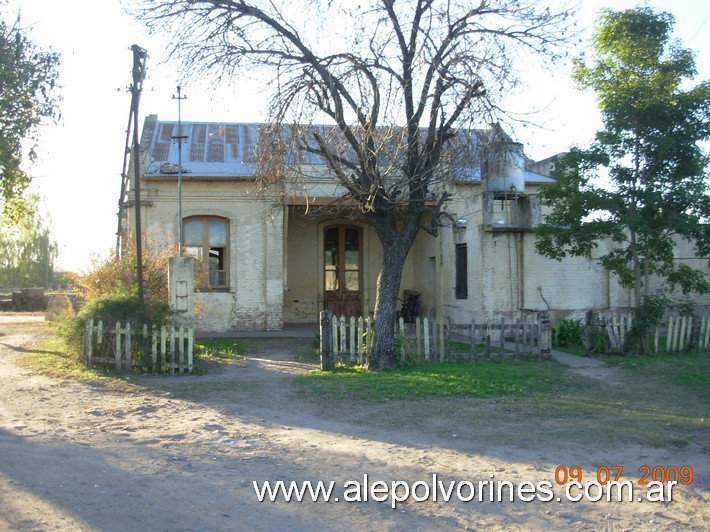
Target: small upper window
x: 207, y: 239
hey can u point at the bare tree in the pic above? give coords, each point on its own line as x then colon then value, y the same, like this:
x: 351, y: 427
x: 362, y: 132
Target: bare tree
x: 395, y: 80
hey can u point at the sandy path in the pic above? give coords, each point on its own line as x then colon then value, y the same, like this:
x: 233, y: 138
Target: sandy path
x: 77, y: 456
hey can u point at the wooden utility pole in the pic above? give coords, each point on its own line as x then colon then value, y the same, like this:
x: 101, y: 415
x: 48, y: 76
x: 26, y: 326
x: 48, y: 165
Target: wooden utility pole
x: 139, y: 60
x: 180, y: 138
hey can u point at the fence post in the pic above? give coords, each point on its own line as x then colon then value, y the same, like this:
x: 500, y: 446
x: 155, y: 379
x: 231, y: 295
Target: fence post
x: 353, y: 343
x: 488, y: 339
x: 676, y: 334
x: 172, y: 350
x: 361, y: 336
x: 501, y: 338
x: 118, y: 346
x: 88, y: 344
x: 154, y: 349
x: 683, y: 326
x: 402, y: 349
x: 705, y: 332
x: 190, y: 348
x: 426, y: 338
x: 472, y: 349
x: 129, y: 362
x: 434, y: 338
x: 336, y: 338
x: 326, y: 340
x: 545, y: 335
x: 99, y: 328
x: 588, y: 321
x: 146, y: 360
x: 163, y: 348
x: 181, y: 349
x: 342, y: 345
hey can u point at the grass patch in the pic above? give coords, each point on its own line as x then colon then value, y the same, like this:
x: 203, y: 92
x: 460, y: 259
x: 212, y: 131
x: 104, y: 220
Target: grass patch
x: 49, y: 357
x: 219, y: 352
x: 481, y: 379
x: 219, y: 348
x: 686, y: 373
x: 310, y: 353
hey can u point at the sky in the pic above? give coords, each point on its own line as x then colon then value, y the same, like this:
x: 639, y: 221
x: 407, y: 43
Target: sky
x: 78, y: 172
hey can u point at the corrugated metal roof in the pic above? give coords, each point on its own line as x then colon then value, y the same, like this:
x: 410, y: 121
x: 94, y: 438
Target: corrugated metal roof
x: 208, y: 149
x: 229, y: 150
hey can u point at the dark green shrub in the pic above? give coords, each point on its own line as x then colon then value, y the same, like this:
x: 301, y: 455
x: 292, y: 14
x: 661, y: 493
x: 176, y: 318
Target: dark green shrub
x: 568, y: 333
x: 646, y: 318
x: 110, y: 309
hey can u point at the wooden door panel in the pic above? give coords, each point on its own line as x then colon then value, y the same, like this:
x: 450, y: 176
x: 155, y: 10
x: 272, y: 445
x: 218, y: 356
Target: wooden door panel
x: 342, y: 270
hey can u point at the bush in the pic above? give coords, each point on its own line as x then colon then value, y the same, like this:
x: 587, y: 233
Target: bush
x: 568, y: 333
x: 110, y: 309
x: 110, y: 293
x: 118, y: 274
x: 646, y: 319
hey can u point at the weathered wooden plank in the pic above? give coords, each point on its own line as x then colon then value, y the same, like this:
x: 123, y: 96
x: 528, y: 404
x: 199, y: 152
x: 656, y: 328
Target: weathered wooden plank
x: 88, y: 343
x: 181, y: 349
x: 172, y: 350
x: 190, y: 349
x: 118, y: 347
x: 426, y: 338
x: 154, y: 349
x: 127, y: 332
x: 163, y: 348
x: 362, y: 337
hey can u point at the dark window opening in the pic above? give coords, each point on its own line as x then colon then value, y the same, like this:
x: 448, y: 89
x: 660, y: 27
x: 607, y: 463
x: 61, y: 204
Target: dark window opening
x: 461, y: 272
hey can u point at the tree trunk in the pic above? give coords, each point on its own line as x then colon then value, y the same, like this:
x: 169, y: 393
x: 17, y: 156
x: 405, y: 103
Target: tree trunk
x: 382, y: 354
x: 636, y: 263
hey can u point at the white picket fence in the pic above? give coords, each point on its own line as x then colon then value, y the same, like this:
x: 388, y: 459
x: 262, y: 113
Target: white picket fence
x: 674, y: 334
x: 158, y: 350
x: 349, y: 339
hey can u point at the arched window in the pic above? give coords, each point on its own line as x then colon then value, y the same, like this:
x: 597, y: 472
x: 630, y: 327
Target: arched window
x: 207, y: 239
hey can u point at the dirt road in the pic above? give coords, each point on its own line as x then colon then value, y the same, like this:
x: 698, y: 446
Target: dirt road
x: 182, y: 454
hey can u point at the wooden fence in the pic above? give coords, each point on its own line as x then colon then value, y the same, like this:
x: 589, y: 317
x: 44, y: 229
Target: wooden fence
x: 347, y: 340
x: 527, y: 336
x: 163, y: 350
x: 674, y: 334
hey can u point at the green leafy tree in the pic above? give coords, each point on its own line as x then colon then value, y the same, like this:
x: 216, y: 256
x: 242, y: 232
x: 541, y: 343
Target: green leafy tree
x: 393, y: 80
x: 27, y: 250
x: 28, y: 94
x: 642, y: 185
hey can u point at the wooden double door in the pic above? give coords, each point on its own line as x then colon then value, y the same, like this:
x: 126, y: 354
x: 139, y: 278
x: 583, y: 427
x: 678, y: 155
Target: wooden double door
x: 342, y: 275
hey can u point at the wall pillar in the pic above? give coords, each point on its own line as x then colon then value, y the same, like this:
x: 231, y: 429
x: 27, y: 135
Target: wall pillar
x: 181, y: 290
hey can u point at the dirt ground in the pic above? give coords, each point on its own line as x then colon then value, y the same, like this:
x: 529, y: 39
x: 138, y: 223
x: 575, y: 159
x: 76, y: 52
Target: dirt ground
x: 181, y: 453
